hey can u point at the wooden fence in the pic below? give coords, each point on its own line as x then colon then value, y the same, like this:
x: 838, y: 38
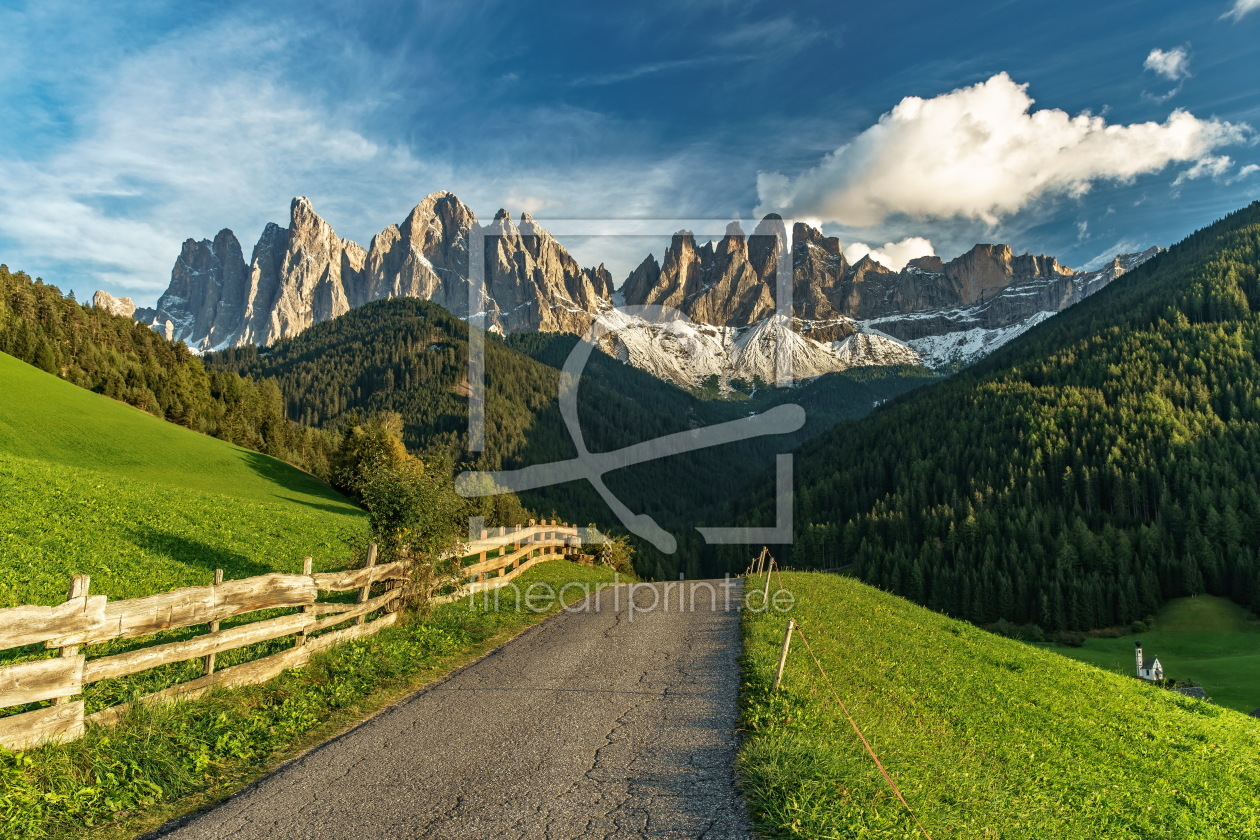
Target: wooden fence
x: 84, y: 620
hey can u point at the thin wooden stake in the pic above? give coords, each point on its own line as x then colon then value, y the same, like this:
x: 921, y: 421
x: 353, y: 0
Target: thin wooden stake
x: 759, y: 563
x: 307, y: 568
x: 787, y: 641
x: 365, y: 592
x: 79, y: 585
x: 765, y: 595
x: 207, y: 661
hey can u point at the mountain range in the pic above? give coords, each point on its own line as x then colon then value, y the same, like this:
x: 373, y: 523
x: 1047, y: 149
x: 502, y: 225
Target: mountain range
x: 725, y: 320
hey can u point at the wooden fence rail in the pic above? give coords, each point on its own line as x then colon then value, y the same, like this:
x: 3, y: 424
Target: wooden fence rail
x: 84, y: 620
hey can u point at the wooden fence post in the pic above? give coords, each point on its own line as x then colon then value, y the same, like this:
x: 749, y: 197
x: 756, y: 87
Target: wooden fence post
x: 207, y: 661
x: 365, y: 592
x: 300, y: 639
x: 787, y: 640
x: 765, y: 595
x: 79, y: 585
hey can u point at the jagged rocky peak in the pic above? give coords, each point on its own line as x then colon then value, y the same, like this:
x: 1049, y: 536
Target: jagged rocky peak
x: 321, y: 274
x: 769, y: 238
x: 932, y: 264
x: 818, y: 267
x: 106, y: 302
x: 842, y: 314
x: 730, y: 283
x: 805, y: 236
x: 987, y: 268
x: 207, y: 291
x: 535, y: 283
x: 306, y: 273
x: 424, y: 257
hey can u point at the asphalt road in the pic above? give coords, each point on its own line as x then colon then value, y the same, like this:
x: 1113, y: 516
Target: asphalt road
x: 606, y: 722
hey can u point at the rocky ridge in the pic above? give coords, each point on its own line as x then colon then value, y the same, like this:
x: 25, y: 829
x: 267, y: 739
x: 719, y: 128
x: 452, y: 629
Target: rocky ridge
x: 724, y: 318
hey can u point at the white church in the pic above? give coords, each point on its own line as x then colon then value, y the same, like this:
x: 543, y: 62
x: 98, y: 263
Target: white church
x: 1148, y: 669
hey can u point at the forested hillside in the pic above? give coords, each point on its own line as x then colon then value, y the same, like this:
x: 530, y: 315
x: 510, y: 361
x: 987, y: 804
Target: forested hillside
x: 117, y: 357
x: 1104, y: 463
x: 410, y: 356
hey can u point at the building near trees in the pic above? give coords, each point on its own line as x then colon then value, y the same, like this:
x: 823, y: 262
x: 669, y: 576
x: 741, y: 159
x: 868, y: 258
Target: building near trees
x: 1148, y: 669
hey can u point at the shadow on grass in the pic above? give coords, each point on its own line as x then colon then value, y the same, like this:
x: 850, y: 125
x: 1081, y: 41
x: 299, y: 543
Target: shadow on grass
x: 197, y: 554
x: 293, y: 479
x: 345, y: 508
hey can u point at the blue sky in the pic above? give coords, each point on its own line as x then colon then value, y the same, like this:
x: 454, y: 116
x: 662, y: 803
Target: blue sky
x: 1074, y: 129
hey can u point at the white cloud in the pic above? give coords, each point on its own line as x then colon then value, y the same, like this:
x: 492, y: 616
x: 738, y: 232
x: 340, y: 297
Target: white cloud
x: 892, y: 255
x: 1242, y: 7
x: 982, y: 153
x: 1214, y: 167
x: 1248, y: 170
x: 1173, y: 64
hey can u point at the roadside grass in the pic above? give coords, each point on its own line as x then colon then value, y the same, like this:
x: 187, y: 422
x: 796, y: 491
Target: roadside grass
x: 1207, y: 639
x: 166, y: 760
x: 91, y: 486
x: 985, y: 736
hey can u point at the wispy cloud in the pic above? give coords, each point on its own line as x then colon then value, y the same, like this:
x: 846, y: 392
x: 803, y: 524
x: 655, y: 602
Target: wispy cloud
x: 1242, y: 7
x: 783, y: 34
x: 207, y: 129
x: 1122, y: 246
x: 655, y: 68
x: 1213, y: 166
x: 169, y: 146
x: 1173, y: 65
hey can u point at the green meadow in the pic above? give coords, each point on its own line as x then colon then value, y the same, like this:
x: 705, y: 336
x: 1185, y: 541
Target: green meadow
x: 91, y: 486
x: 1207, y: 639
x: 985, y: 736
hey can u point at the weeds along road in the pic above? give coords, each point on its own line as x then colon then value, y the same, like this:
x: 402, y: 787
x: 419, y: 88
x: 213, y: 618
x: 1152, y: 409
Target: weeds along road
x: 608, y: 721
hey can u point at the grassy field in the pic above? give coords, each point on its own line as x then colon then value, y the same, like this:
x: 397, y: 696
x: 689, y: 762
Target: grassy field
x: 167, y: 760
x: 1207, y: 639
x: 91, y: 486
x: 985, y: 736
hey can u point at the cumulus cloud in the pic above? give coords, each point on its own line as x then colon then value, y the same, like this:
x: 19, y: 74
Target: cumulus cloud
x: 1173, y: 64
x: 1242, y: 7
x: 982, y: 153
x: 892, y: 255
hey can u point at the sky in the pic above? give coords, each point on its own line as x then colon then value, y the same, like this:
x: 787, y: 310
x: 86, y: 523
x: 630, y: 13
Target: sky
x: 1070, y: 128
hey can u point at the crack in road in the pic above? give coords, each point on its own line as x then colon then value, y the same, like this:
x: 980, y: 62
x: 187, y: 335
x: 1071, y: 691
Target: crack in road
x: 600, y: 722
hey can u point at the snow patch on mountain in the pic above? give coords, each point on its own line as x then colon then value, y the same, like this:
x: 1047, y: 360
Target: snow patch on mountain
x: 966, y: 346
x: 687, y: 353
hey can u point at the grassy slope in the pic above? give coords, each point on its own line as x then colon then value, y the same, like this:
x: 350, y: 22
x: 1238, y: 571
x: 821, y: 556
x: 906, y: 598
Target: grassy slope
x: 1211, y: 640
x: 986, y: 737
x: 91, y: 486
